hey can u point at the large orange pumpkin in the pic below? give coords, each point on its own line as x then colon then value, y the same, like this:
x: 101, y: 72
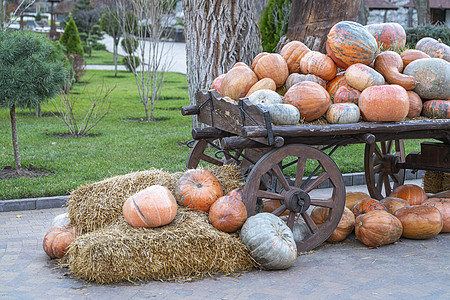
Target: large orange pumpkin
x: 384, y: 103
x: 310, y: 98
x: 198, y: 189
x: 272, y: 66
x: 320, y: 215
x: 152, y: 207
x: 351, y: 198
x: 388, y: 35
x: 237, y: 82
x: 377, y: 228
x: 263, y: 84
x: 390, y: 65
x: 420, y: 221
x: 57, y: 241
x: 412, y: 193
x: 366, y: 205
x: 443, y: 205
x: 318, y: 64
x: 293, y: 53
x: 392, y: 204
x: 228, y: 214
x: 360, y: 77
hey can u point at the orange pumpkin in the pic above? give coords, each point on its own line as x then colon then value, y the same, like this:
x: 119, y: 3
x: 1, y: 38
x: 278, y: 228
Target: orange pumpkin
x: 198, y: 189
x: 415, y: 105
x: 388, y: 35
x: 392, y: 204
x: 412, y: 193
x: 346, y: 94
x: 240, y: 64
x: 390, y: 65
x: 320, y: 215
x: 443, y: 205
x: 411, y: 55
x: 360, y: 77
x: 227, y: 214
x: 271, y: 205
x: 272, y: 66
x: 378, y: 228
x: 263, y: 84
x: 293, y: 53
x: 420, y: 221
x: 57, y: 241
x: 366, y: 205
x: 351, y: 198
x: 296, y: 78
x: 311, y: 99
x: 236, y: 193
x: 318, y: 64
x: 256, y: 59
x: 333, y: 85
x: 217, y: 82
x: 384, y: 103
x: 237, y: 82
x: 152, y: 207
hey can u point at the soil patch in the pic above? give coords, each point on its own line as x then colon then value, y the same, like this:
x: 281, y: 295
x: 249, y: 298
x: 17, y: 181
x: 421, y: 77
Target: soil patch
x: 144, y: 120
x: 30, y: 171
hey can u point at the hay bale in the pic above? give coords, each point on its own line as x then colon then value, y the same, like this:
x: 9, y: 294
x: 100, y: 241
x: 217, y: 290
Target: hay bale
x: 187, y: 247
x: 433, y: 181
x: 97, y: 205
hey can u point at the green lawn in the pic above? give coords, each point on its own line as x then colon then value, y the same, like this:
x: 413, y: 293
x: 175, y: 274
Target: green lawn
x: 101, y: 57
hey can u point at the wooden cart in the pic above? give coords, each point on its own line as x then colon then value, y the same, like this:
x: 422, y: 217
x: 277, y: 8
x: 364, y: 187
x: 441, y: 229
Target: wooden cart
x: 273, y: 158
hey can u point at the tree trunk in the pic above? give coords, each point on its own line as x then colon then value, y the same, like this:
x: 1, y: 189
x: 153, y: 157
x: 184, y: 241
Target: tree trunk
x: 363, y: 14
x: 218, y: 34
x: 423, y: 11
x: 311, y: 20
x: 12, y: 114
x: 38, y: 110
x: 115, y: 44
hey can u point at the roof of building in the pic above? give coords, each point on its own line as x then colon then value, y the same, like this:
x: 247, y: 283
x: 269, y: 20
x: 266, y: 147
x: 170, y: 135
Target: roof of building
x: 441, y: 4
x: 380, y: 4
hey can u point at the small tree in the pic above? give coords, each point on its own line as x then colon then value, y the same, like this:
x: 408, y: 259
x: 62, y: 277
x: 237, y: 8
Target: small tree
x: 71, y: 39
x: 30, y: 73
x: 274, y: 22
x: 109, y: 23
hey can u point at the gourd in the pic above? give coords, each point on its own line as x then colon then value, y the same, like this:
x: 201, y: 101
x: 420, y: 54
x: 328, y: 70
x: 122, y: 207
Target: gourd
x: 378, y: 228
x: 351, y: 198
x: 270, y: 242
x: 272, y: 66
x: 318, y: 64
x: 432, y: 76
x: 411, y: 55
x: 349, y: 43
x: 392, y: 204
x: 61, y: 220
x: 443, y: 205
x: 198, y: 189
x: 390, y: 65
x: 300, y: 230
x: 333, y: 85
x: 310, y: 98
x: 293, y: 53
x: 237, y: 82
x: 57, y: 241
x: 366, y: 205
x: 346, y: 94
x: 388, y: 35
x: 436, y: 109
x: 415, y: 105
x: 343, y: 113
x: 360, y: 77
x: 412, y: 193
x: 434, y: 48
x: 320, y: 215
x: 152, y: 207
x: 227, y: 214
x: 384, y: 103
x: 263, y: 84
x: 217, y: 83
x: 265, y: 98
x: 283, y: 114
x: 420, y: 221
x: 296, y: 78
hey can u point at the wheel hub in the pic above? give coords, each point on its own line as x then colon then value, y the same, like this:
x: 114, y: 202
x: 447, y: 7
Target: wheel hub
x: 389, y: 163
x: 297, y: 200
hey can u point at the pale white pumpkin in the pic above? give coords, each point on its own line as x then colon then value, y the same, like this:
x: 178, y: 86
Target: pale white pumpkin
x: 283, y: 114
x: 265, y: 97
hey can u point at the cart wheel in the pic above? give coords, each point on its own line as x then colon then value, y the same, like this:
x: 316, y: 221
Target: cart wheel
x: 200, y: 154
x: 268, y: 180
x: 380, y: 164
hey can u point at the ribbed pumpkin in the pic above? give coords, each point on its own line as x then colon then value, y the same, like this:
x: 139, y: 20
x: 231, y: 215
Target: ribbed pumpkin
x: 256, y: 59
x: 240, y: 64
x: 434, y: 48
x: 272, y: 66
x: 343, y: 113
x: 420, y: 221
x: 360, y: 77
x: 411, y: 55
x: 415, y: 105
x: 237, y: 82
x: 366, y: 205
x: 283, y: 114
x: 443, y: 205
x: 351, y: 198
x: 432, y: 77
x: 311, y: 99
x: 390, y: 65
x: 349, y: 43
x: 217, y: 82
x: 392, y: 204
x: 436, y: 109
x: 198, y: 189
x: 57, y: 241
x: 152, y: 207
x: 263, y: 84
x: 388, y: 35
x: 333, y: 85
x: 378, y: 228
x: 227, y: 214
x: 412, y: 193
x: 270, y: 242
x: 293, y: 53
x: 318, y: 64
x: 320, y: 215
x: 384, y: 103
x: 300, y: 230
x: 296, y: 78
x: 346, y: 94
x: 236, y: 193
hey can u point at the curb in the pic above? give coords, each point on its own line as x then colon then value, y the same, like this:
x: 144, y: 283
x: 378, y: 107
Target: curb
x: 350, y: 179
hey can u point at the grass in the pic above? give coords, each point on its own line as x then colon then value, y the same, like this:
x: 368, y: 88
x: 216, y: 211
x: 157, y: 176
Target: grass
x: 102, y: 57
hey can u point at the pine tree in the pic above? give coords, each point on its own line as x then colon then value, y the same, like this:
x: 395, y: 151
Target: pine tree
x: 273, y: 23
x: 71, y: 39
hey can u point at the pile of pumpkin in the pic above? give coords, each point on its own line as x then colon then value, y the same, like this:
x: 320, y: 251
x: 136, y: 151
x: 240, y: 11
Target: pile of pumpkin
x: 364, y: 74
x: 407, y: 212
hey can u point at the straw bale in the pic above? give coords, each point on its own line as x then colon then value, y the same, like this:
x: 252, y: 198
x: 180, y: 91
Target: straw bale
x: 433, y: 181
x: 188, y: 247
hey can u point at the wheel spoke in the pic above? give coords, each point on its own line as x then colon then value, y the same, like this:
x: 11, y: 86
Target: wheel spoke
x: 301, y: 163
x: 389, y: 147
x: 387, y: 185
x: 395, y: 179
x: 269, y: 195
x: 316, y: 182
x: 379, y: 184
x: 323, y: 203
x: 279, y: 174
x: 210, y: 159
x: 377, y: 168
x: 291, y: 219
x: 310, y: 223
x: 383, y: 147
x: 279, y: 210
x: 378, y: 152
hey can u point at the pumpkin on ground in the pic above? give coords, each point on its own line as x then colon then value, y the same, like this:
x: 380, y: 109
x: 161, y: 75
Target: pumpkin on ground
x: 392, y: 204
x: 293, y: 53
x: 411, y: 55
x: 152, y: 207
x: 346, y: 94
x: 385, y: 103
x: 263, y: 84
x: 351, y: 198
x: 227, y: 213
x: 388, y: 35
x: 237, y: 82
x: 270, y: 206
x: 198, y: 189
x: 378, y: 228
x: 366, y: 205
x: 415, y: 105
x: 349, y: 43
x: 61, y: 220
x: 300, y: 230
x: 296, y: 78
x: 436, y: 109
x: 360, y: 77
x: 434, y: 48
x: 412, y: 193
x: 57, y: 241
x: 420, y: 221
x: 443, y: 205
x: 270, y: 241
x: 343, y: 113
x: 272, y: 66
x: 318, y: 64
x: 320, y: 215
x: 390, y: 65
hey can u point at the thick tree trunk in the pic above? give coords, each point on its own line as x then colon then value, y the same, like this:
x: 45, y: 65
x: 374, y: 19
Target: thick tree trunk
x: 311, y: 20
x: 218, y: 34
x: 363, y: 14
x: 12, y: 114
x: 423, y: 11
